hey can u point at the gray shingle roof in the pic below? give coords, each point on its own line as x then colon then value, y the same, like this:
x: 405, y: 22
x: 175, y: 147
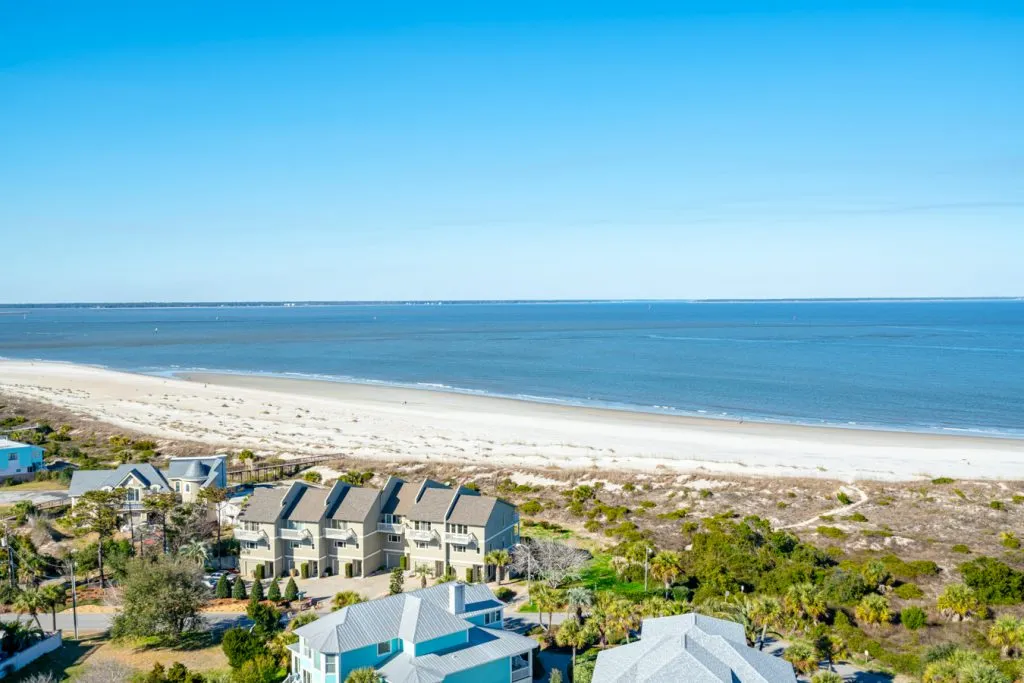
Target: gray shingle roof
x: 354, y: 504
x: 264, y: 505
x: 432, y: 505
x: 690, y: 648
x: 83, y: 481
x: 204, y: 470
x: 309, y: 506
x: 417, y: 616
x: 401, y: 499
x: 472, y: 510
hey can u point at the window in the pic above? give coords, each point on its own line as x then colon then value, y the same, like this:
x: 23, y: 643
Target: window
x: 394, y: 538
x: 459, y: 548
x: 305, y: 651
x: 392, y: 519
x: 251, y: 526
x: 384, y: 648
x: 422, y: 544
x: 289, y: 524
x: 11, y: 457
x: 250, y: 545
x: 330, y: 664
x: 458, y: 529
x: 188, y: 488
x: 422, y: 526
x: 339, y: 524
x: 340, y: 544
x: 177, y: 486
x: 492, y: 617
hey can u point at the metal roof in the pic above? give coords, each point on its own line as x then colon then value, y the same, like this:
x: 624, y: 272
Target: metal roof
x: 7, y: 443
x: 483, y: 645
x: 690, y: 648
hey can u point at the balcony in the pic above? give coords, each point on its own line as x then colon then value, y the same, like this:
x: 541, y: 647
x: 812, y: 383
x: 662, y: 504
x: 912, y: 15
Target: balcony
x: 250, y: 535
x: 521, y: 669
x: 296, y: 534
x: 390, y: 528
x: 423, y: 535
x: 461, y: 539
x: 340, y: 534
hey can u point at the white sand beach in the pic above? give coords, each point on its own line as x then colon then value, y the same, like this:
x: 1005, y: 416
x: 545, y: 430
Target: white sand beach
x: 300, y: 417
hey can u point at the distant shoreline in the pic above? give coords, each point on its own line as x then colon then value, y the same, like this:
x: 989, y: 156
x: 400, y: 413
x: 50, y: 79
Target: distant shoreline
x: 484, y: 302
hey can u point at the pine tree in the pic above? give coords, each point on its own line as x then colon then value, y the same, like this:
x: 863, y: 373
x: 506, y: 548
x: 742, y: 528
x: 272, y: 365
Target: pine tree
x: 257, y: 592
x: 397, y: 581
x: 238, y: 590
x: 223, y: 587
x: 274, y: 592
x: 291, y: 591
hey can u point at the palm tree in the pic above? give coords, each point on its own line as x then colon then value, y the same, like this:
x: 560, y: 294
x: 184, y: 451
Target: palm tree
x: 959, y: 602
x: 873, y: 610
x: 658, y: 607
x: 29, y: 601
x: 666, y: 567
x: 1007, y: 633
x: 802, y: 656
x: 422, y: 570
x: 364, y: 675
x: 17, y: 636
x: 53, y: 596
x: 765, y: 613
x: 803, y: 603
x: 575, y: 635
x: 546, y: 599
x: 346, y: 598
x: 195, y: 551
x: 500, y: 559
x: 621, y: 616
x: 578, y: 599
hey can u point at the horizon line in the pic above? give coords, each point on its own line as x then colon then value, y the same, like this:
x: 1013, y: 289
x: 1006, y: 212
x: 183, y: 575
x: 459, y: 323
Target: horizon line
x: 458, y: 302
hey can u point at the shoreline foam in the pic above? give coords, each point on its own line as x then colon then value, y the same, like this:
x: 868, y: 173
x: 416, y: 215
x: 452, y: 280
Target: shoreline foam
x: 299, y: 416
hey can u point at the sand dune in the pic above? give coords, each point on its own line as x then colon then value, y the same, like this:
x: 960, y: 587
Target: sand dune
x: 298, y: 417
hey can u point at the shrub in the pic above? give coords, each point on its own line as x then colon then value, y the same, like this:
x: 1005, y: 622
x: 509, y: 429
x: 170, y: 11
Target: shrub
x: 959, y: 602
x: 592, y: 525
x: 873, y: 610
x: 346, y: 598
x: 266, y: 618
x: 505, y: 594
x: 844, y: 498
x: 240, y: 646
x: 274, y: 592
x: 348, y: 570
x: 304, y: 570
x: 397, y: 583
x: 909, y: 591
x: 845, y: 588
x: 961, y: 548
x: 1009, y: 540
x: 943, y: 480
x: 313, y: 477
x: 403, y: 563
x: 831, y: 532
x: 995, y: 582
x: 258, y: 572
x: 469, y: 575
x: 259, y: 669
x: 223, y: 589
x: 291, y: 591
x: 161, y: 598
x: 531, y: 507
x: 238, y: 590
x: 1017, y: 499
x: 856, y: 517
x: 913, y: 618
x: 706, y: 493
x: 997, y: 505
x: 257, y: 594
x: 826, y: 677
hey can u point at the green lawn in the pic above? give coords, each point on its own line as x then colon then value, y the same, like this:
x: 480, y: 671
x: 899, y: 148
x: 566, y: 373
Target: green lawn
x: 47, y: 485
x: 599, y: 576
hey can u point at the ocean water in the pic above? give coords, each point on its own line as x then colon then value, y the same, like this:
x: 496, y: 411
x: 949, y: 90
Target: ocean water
x: 921, y: 366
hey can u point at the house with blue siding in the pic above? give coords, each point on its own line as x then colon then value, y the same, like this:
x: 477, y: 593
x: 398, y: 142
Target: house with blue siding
x: 19, y: 461
x: 451, y: 632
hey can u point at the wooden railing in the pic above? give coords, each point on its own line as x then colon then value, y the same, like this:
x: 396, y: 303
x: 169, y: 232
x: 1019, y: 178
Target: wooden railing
x: 275, y: 471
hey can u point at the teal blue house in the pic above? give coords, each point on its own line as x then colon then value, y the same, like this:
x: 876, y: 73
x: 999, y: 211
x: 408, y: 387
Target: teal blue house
x: 452, y: 632
x: 19, y: 461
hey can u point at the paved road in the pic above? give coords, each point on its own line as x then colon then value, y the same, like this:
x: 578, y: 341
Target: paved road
x: 101, y: 621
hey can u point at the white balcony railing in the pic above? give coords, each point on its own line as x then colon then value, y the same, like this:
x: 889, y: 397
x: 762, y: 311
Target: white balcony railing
x: 461, y: 539
x: 422, y: 535
x: 296, y: 534
x: 389, y: 528
x: 254, y: 536
x: 340, y: 534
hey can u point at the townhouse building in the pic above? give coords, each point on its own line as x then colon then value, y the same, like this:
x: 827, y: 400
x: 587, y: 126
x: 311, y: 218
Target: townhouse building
x: 354, y: 531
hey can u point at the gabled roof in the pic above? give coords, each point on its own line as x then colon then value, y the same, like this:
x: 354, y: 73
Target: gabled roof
x: 264, y: 505
x: 204, y: 470
x: 83, y: 481
x: 401, y: 499
x: 473, y: 510
x: 483, y: 645
x: 432, y: 505
x: 690, y: 648
x: 309, y: 506
x: 352, y: 504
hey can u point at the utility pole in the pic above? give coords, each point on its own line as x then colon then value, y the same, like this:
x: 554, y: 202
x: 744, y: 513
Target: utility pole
x: 74, y: 595
x: 10, y: 558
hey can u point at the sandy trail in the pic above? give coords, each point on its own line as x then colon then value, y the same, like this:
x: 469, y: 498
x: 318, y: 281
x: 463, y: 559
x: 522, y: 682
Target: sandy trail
x: 300, y: 417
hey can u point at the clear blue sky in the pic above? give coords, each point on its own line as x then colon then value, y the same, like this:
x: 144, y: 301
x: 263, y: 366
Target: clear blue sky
x: 213, y: 150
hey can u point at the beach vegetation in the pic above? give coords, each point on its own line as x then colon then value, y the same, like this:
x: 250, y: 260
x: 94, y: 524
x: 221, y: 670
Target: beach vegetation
x: 913, y: 618
x: 961, y: 548
x: 908, y: 591
x: 831, y: 532
x: 531, y: 507
x: 997, y: 505
x: 994, y: 581
x: 959, y: 602
x: 943, y: 480
x: 160, y: 597
x: 856, y: 517
x: 844, y: 498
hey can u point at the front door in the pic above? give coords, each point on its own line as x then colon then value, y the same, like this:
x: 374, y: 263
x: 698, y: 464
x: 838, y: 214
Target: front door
x: 357, y: 567
x: 313, y: 569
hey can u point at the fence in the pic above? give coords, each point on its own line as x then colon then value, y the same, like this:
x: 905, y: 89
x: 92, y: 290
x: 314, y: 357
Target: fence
x: 22, y: 659
x: 280, y: 470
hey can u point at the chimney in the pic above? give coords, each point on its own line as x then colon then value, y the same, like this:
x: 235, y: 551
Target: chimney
x: 456, y: 597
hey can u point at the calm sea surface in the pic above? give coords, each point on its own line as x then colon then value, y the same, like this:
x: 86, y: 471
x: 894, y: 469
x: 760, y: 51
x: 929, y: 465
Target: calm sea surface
x: 901, y: 365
